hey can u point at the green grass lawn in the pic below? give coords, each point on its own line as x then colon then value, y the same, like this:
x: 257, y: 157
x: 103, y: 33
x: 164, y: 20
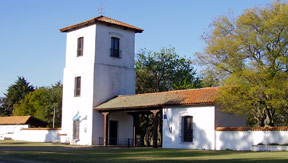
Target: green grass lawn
x: 13, y: 151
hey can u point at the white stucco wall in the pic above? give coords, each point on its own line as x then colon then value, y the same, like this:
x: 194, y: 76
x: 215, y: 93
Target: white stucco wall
x: 243, y: 140
x: 112, y: 76
x: 125, y: 126
x: 39, y: 135
x: 203, y: 127
x: 103, y: 45
x: 206, y: 137
x: 11, y: 131
x: 82, y: 66
x: 24, y: 133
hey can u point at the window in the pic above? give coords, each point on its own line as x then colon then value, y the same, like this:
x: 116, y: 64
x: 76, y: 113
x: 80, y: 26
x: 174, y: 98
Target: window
x: 115, y: 47
x: 76, y: 129
x: 187, y: 129
x: 77, y: 86
x: 80, y: 44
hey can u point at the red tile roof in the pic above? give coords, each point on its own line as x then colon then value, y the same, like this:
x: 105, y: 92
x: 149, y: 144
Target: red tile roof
x: 21, y: 120
x: 14, y: 120
x: 101, y: 19
x: 160, y: 99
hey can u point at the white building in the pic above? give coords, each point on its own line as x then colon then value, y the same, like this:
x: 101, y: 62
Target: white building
x: 189, y: 117
x: 100, y: 106
x: 99, y: 66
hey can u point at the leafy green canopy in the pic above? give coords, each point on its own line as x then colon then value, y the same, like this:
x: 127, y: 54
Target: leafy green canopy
x: 163, y: 71
x: 248, y: 55
x: 42, y: 103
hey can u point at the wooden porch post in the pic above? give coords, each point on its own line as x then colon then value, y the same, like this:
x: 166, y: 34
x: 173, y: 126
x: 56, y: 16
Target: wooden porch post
x: 134, y: 115
x: 155, y: 127
x: 134, y: 130
x: 105, y: 139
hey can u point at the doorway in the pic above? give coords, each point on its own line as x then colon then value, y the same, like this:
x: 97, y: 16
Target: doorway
x: 113, y: 130
x: 76, y: 129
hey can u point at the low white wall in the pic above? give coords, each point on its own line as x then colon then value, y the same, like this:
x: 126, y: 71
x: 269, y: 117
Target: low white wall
x: 24, y: 133
x: 243, y: 140
x: 39, y: 135
x: 11, y: 131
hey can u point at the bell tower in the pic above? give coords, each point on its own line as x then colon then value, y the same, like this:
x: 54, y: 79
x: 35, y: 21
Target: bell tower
x: 99, y: 65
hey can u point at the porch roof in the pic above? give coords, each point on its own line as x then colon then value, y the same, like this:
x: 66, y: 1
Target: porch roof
x: 160, y: 99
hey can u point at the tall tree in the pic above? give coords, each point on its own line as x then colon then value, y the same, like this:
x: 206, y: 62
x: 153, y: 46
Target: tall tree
x: 43, y: 103
x: 163, y: 71
x: 15, y: 93
x: 248, y: 55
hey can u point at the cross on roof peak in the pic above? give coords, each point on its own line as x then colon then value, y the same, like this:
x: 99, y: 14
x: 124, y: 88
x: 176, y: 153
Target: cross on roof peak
x: 100, y: 10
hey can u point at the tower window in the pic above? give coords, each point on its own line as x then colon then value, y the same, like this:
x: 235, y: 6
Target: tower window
x: 77, y: 86
x: 115, y: 47
x: 80, y: 44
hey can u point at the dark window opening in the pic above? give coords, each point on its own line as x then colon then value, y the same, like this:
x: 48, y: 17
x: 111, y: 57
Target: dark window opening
x: 188, y: 129
x: 77, y: 86
x: 115, y: 47
x: 80, y: 46
x: 113, y: 133
x: 76, y: 129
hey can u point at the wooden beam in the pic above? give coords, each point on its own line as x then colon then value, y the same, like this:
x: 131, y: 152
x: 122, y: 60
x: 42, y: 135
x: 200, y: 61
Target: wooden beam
x: 155, y: 127
x: 105, y: 139
x: 134, y: 115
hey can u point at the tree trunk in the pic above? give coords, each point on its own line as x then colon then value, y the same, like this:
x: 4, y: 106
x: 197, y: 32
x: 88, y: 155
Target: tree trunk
x: 269, y: 115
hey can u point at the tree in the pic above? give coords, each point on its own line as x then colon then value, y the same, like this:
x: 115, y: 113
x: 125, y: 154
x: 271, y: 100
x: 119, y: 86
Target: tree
x: 163, y: 71
x: 248, y: 56
x: 43, y: 103
x: 32, y: 104
x: 53, y: 105
x: 15, y: 93
x: 1, y: 105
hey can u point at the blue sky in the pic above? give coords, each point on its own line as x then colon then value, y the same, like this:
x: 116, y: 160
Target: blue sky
x: 33, y: 47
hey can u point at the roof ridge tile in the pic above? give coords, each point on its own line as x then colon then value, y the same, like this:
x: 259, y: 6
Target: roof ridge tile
x: 101, y: 19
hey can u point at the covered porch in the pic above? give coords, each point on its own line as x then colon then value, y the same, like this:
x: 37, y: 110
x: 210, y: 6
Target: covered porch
x: 153, y: 103
x: 118, y: 123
